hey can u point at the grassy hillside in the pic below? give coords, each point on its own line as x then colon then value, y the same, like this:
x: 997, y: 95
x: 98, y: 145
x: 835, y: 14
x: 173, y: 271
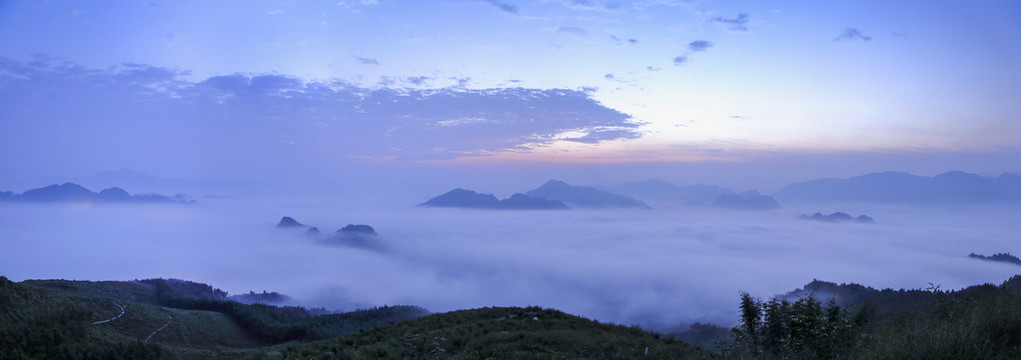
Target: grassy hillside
x: 157, y: 318
x: 496, y: 333
x: 57, y: 319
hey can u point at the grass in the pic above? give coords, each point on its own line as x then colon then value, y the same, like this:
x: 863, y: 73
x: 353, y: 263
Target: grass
x: 497, y: 333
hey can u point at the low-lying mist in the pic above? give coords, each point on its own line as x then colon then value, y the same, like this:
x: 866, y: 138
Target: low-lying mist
x: 660, y: 267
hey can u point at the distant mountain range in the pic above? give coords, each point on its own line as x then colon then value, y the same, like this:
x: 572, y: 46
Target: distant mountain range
x: 665, y: 191
x: 954, y: 187
x: 462, y: 198
x: 553, y: 195
x: 74, y: 193
x: 696, y: 195
x: 838, y: 217
x: 748, y: 200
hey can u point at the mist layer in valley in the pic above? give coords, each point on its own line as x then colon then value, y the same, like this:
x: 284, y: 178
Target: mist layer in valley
x: 671, y: 264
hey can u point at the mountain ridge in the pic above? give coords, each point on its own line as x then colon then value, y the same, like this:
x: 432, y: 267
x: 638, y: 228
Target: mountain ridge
x: 892, y: 187
x: 73, y: 193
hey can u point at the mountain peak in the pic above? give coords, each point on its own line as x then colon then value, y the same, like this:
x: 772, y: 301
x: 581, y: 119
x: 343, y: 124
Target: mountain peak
x: 583, y: 196
x: 288, y: 222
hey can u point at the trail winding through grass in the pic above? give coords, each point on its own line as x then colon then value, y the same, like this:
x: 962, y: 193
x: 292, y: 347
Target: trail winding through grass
x: 161, y: 328
x: 113, y: 318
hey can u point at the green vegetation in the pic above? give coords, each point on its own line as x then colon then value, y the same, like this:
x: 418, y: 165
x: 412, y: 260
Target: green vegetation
x: 35, y: 324
x: 53, y: 319
x: 804, y: 329
x: 978, y: 322
x: 497, y: 333
x: 58, y: 319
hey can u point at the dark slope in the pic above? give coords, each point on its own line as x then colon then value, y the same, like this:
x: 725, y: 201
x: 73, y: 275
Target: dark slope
x: 202, y: 323
x: 584, y: 196
x: 498, y: 333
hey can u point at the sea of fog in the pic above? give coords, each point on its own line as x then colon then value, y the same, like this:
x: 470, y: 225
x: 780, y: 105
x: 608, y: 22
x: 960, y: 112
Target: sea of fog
x: 670, y: 265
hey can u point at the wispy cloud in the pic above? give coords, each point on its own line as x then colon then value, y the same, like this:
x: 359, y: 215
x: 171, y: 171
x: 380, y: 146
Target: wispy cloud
x: 368, y: 61
x: 852, y: 34
x: 680, y: 60
x: 572, y: 30
x: 620, y: 41
x: 507, y: 8
x: 699, y: 45
x: 737, y: 23
x: 399, y: 118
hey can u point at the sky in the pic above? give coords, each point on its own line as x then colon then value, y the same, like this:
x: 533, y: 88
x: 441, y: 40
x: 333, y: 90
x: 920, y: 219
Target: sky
x: 665, y: 88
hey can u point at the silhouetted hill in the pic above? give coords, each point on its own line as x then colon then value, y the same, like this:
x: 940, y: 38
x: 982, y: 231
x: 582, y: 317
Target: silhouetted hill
x: 68, y: 192
x: 358, y: 229
x: 1001, y: 257
x: 749, y: 200
x: 289, y: 222
x: 665, y: 191
x: 953, y: 187
x: 114, y: 194
x: 583, y: 196
x: 461, y: 198
x: 524, y: 202
x: 838, y: 217
x: 74, y: 193
x: 359, y: 236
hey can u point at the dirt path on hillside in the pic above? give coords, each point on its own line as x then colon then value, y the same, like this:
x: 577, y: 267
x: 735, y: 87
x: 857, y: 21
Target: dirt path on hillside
x: 113, y: 318
x: 161, y: 328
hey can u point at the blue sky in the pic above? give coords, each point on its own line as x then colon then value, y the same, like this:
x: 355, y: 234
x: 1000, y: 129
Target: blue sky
x: 508, y: 82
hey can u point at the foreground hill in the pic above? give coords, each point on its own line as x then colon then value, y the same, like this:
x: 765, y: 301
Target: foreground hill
x: 158, y: 319
x: 954, y: 187
x: 498, y: 333
x: 176, y: 319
